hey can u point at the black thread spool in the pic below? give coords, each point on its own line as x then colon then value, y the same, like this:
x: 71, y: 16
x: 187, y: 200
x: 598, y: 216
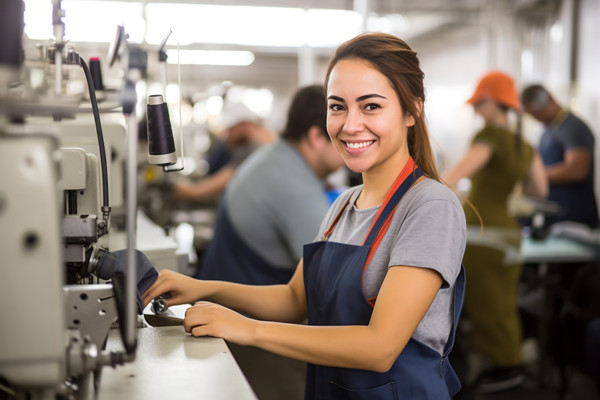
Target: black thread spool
x: 11, y: 32
x: 96, y: 73
x: 161, y: 146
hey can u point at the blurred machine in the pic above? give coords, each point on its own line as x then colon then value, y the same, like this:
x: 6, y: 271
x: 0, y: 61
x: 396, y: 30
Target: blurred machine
x: 65, y: 183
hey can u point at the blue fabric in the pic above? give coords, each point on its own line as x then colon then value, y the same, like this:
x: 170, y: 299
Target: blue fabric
x: 116, y: 261
x: 242, y: 265
x: 333, y: 281
x: 333, y: 194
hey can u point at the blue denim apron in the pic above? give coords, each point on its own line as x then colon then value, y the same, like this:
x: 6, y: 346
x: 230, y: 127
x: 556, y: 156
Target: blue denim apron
x: 229, y: 258
x: 333, y: 281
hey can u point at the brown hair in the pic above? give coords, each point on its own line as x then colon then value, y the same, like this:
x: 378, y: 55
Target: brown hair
x: 392, y: 57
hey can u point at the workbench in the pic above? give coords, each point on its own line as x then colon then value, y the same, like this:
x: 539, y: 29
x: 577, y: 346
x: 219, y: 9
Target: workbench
x: 171, y: 364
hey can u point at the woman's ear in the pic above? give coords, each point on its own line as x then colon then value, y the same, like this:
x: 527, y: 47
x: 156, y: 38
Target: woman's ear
x: 418, y: 109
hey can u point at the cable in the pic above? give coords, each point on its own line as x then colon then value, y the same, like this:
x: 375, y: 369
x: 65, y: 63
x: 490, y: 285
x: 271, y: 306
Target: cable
x: 96, y: 112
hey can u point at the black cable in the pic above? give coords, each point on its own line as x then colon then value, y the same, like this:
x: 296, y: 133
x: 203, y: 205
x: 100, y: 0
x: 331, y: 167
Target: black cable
x: 96, y: 112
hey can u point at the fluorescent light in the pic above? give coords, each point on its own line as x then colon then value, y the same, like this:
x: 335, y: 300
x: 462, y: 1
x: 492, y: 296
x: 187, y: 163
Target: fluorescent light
x: 97, y: 20
x: 251, y: 26
x: 240, y: 25
x: 322, y: 33
x: 86, y: 21
x: 210, y: 57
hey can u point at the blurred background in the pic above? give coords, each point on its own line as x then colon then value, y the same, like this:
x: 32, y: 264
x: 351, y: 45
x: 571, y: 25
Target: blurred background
x: 203, y: 56
x: 264, y: 49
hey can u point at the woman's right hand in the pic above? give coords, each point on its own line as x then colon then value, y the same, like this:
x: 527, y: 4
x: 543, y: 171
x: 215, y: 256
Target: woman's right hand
x: 182, y: 289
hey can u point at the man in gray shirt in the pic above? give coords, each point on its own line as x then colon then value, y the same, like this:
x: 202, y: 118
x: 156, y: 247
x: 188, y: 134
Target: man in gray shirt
x: 275, y: 201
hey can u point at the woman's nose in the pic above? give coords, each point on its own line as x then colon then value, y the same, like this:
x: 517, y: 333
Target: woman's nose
x: 354, y: 121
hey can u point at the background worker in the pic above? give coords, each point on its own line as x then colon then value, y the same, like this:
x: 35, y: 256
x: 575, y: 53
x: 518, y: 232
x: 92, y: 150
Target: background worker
x: 243, y: 133
x: 567, y: 149
x: 497, y: 160
x: 275, y: 201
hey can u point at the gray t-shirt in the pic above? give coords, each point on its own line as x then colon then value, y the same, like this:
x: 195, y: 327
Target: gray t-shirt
x: 428, y: 230
x: 275, y: 202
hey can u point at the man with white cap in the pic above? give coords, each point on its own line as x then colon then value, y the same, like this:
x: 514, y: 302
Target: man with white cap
x: 243, y: 133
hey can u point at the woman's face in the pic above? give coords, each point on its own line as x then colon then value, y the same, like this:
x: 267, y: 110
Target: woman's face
x: 364, y: 118
x: 487, y: 109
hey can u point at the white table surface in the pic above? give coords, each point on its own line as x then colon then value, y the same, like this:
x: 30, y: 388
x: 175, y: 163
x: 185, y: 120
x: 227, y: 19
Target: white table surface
x: 557, y: 249
x: 171, y: 364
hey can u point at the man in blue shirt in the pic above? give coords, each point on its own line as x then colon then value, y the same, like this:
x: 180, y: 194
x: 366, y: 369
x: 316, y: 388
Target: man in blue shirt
x: 567, y: 150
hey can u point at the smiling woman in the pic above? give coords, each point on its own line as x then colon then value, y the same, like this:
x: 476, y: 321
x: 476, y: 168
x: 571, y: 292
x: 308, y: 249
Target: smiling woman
x: 382, y: 284
x: 366, y: 121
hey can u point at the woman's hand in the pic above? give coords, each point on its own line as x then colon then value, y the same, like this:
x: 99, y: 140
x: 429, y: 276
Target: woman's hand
x: 210, y: 319
x: 181, y: 288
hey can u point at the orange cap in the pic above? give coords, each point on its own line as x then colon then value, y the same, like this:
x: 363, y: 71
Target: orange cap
x: 498, y: 86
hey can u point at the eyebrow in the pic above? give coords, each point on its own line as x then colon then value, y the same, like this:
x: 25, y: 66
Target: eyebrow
x: 360, y: 98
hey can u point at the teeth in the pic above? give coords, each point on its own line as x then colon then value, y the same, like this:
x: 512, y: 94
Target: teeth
x: 359, y: 145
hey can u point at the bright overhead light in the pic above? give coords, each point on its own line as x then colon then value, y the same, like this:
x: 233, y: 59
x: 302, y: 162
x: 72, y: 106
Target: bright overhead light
x: 210, y: 57
x: 148, y: 22
x: 250, y: 25
x: 85, y: 21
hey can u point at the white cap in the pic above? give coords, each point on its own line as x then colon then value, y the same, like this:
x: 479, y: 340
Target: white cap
x: 235, y: 113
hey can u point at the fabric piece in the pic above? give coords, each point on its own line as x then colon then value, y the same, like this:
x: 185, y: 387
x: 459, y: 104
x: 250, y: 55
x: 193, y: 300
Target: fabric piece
x: 116, y: 261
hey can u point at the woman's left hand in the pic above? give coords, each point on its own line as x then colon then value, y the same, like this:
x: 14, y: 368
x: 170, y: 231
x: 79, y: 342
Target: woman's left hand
x: 209, y: 319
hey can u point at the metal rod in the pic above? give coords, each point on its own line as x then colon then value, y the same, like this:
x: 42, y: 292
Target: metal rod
x: 130, y: 225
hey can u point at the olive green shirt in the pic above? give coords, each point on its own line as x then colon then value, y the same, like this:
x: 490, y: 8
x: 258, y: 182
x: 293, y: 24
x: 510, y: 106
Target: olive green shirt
x: 492, y: 185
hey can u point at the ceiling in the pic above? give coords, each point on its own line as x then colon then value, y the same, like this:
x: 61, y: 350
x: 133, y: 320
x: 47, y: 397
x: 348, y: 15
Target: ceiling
x: 426, y: 19
x: 277, y: 68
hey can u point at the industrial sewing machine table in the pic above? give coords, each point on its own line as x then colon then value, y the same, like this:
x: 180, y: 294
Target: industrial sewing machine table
x: 173, y: 365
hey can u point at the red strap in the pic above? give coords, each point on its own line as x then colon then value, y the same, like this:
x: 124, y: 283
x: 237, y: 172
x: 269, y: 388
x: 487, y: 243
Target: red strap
x: 335, y: 221
x: 408, y: 168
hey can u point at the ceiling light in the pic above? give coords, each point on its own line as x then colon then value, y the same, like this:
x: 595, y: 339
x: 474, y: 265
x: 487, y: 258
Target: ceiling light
x: 210, y: 57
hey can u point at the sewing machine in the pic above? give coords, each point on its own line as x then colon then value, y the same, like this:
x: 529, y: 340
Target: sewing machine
x: 55, y: 219
x: 64, y: 206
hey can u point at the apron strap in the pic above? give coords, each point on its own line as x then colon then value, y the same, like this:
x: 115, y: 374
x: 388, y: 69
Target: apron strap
x: 409, y: 175
x: 389, y: 205
x: 459, y: 296
x: 406, y: 170
x: 335, y: 221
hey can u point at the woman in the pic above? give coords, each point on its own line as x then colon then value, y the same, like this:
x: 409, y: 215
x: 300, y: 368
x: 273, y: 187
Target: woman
x: 497, y: 161
x: 382, y: 295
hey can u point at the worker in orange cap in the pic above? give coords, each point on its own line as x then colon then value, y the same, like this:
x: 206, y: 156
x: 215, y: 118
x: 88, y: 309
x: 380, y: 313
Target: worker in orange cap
x: 497, y: 161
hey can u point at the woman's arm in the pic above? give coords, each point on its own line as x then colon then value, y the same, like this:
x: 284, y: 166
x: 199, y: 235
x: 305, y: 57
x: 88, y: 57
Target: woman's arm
x: 404, y: 298
x: 272, y: 302
x: 474, y: 159
x: 536, y: 183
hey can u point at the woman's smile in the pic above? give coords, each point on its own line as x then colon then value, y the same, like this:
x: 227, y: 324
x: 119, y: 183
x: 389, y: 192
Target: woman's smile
x: 355, y: 146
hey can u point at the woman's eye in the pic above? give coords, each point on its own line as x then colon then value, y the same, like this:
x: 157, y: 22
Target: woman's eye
x: 372, y: 106
x: 335, y: 107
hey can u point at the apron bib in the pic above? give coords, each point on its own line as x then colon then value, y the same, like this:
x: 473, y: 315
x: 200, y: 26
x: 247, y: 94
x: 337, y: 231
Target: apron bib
x: 333, y: 281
